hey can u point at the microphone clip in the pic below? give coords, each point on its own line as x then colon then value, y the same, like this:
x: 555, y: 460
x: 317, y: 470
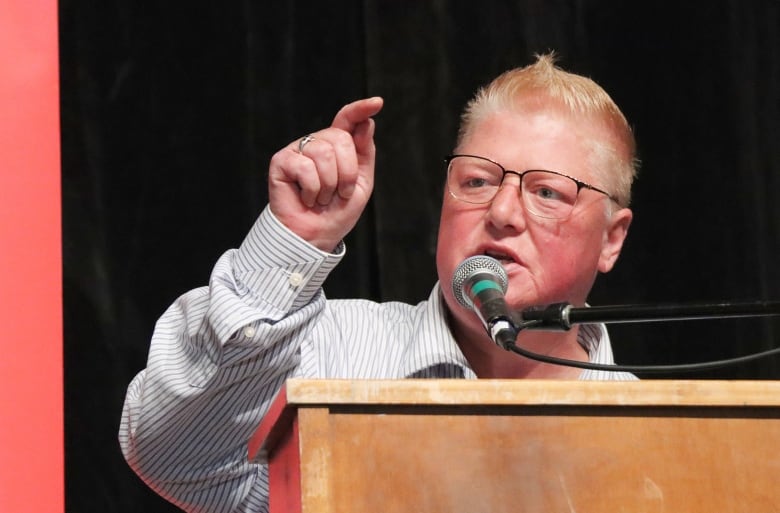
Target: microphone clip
x: 505, y: 329
x: 552, y: 317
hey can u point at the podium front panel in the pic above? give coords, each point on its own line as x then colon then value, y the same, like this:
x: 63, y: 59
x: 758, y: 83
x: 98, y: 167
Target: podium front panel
x: 704, y: 448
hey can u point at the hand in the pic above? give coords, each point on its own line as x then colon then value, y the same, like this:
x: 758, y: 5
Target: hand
x: 320, y: 192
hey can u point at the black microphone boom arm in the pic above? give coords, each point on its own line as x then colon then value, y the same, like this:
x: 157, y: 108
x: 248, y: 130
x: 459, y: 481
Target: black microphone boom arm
x: 562, y: 316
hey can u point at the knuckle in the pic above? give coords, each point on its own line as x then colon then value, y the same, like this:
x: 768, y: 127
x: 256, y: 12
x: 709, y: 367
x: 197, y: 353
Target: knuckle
x: 344, y: 140
x: 324, y: 155
x: 279, y: 157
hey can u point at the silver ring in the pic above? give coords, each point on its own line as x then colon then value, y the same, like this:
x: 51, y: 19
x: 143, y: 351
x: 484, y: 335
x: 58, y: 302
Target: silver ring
x: 304, y: 141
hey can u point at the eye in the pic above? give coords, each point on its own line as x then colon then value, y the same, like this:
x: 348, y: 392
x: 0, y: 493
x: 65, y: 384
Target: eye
x: 548, y: 193
x: 475, y: 183
x: 548, y: 187
x: 475, y: 177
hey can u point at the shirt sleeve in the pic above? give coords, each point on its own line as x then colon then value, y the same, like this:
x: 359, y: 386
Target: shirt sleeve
x: 218, y: 356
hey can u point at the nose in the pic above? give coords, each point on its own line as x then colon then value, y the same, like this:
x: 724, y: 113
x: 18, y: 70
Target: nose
x: 506, y: 211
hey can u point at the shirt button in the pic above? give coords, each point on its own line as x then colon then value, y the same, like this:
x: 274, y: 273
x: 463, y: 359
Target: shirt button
x: 296, y: 279
x: 249, y: 332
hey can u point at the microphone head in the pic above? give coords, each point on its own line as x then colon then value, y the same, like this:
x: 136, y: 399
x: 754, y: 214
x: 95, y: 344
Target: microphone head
x: 472, y: 267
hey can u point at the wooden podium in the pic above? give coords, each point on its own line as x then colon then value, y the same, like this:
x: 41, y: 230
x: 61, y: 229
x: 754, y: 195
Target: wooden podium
x: 476, y: 446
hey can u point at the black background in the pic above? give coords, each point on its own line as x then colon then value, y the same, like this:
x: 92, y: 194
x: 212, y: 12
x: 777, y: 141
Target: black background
x: 171, y: 111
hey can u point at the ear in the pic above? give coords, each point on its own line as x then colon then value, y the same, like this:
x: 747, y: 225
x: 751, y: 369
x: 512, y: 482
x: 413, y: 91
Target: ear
x: 614, y: 235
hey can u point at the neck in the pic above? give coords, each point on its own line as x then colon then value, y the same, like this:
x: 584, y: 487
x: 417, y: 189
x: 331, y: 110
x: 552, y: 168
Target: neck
x: 492, y: 362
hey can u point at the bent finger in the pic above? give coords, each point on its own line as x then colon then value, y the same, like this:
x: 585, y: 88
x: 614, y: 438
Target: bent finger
x: 323, y: 154
x: 300, y: 173
x: 356, y: 112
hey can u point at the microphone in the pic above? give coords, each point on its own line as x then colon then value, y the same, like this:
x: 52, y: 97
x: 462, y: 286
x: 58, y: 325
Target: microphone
x: 479, y: 284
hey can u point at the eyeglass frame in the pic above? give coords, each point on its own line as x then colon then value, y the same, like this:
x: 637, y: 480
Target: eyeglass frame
x: 580, y: 184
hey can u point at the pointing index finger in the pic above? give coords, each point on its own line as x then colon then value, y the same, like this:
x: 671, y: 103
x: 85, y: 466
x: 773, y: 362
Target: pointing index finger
x: 355, y: 113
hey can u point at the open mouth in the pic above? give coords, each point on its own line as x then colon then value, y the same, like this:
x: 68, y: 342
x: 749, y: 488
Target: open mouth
x: 503, y: 258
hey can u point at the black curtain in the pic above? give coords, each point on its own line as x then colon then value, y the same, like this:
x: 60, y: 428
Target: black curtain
x: 172, y: 110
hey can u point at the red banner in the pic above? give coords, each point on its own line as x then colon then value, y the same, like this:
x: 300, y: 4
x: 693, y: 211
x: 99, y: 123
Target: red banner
x: 31, y: 395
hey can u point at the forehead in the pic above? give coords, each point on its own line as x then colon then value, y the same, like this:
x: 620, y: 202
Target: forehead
x: 538, y: 138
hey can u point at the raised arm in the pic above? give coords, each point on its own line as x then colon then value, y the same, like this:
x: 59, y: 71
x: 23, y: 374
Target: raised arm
x: 219, y: 354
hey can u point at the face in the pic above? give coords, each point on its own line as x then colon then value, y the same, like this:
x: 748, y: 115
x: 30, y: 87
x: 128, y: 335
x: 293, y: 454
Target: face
x: 546, y: 260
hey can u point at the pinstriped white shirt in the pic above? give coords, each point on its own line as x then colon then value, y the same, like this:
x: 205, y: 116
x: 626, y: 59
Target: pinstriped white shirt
x: 220, y: 353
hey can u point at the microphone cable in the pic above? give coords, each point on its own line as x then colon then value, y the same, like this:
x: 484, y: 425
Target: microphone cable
x: 642, y: 369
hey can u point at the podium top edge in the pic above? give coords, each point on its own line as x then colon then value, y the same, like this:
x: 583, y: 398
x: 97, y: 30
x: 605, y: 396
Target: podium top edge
x: 299, y: 392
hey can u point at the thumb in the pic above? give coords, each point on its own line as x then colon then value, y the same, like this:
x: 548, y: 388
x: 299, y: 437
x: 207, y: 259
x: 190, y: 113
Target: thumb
x: 363, y: 137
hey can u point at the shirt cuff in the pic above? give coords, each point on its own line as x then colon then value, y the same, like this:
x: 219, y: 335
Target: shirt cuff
x: 280, y: 269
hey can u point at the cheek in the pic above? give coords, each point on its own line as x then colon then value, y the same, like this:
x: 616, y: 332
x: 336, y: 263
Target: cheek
x: 455, y: 230
x: 560, y: 264
x: 568, y: 264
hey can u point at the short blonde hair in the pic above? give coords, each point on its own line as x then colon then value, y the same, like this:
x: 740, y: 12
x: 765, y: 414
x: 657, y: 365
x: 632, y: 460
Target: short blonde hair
x: 579, y: 96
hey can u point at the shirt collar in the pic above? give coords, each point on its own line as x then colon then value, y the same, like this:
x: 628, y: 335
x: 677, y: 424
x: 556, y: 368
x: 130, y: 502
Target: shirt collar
x: 433, y: 351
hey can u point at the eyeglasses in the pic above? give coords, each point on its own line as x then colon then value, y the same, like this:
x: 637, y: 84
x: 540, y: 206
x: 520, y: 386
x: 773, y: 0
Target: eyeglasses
x: 545, y: 194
